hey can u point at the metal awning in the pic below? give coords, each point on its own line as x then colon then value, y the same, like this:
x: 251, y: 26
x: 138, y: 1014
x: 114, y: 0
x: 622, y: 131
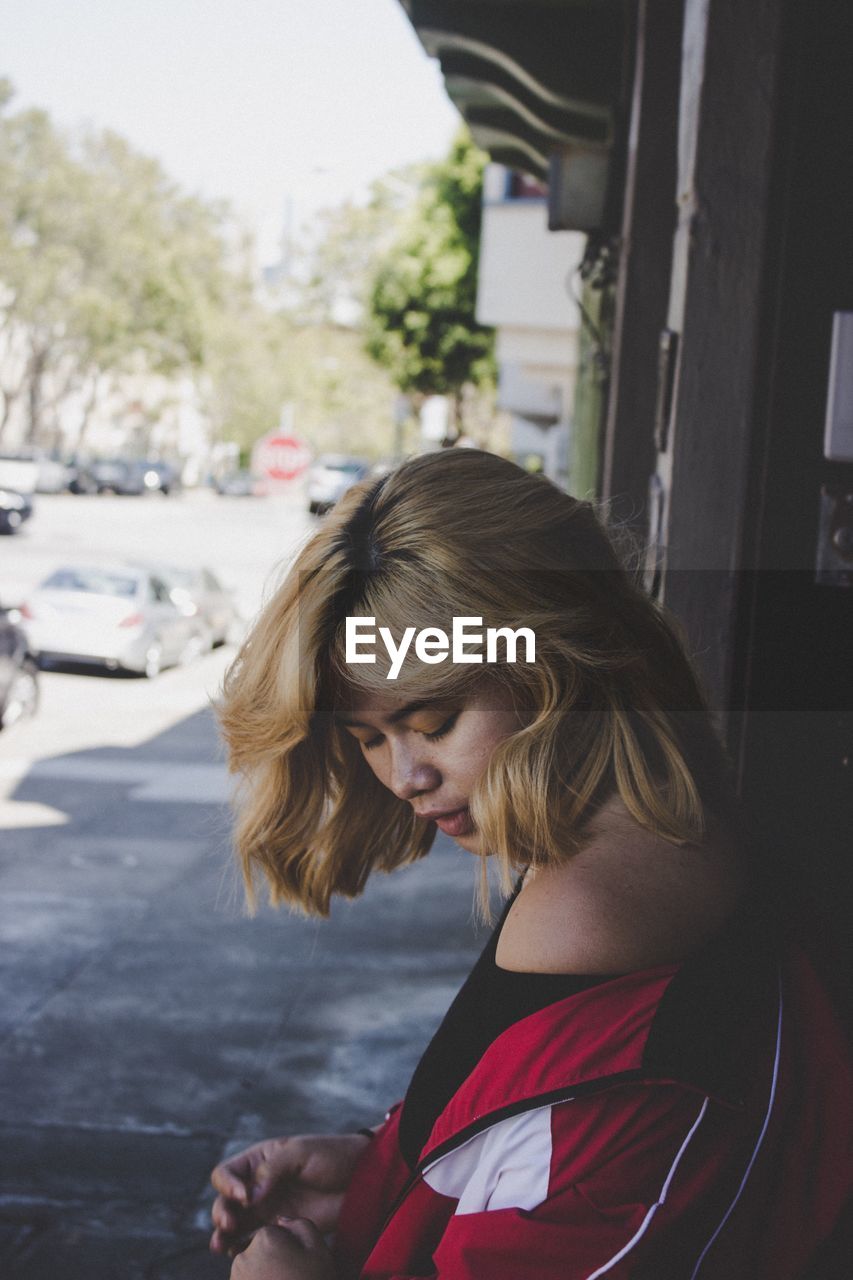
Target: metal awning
x: 538, y: 83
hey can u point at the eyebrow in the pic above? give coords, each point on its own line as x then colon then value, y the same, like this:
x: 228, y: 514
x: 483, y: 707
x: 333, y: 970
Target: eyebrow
x: 408, y: 710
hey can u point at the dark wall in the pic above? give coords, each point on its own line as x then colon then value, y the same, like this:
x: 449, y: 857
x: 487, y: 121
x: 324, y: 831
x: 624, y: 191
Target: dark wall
x: 792, y: 691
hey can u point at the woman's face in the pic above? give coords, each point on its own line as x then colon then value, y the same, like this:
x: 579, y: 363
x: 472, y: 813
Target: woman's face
x: 432, y: 754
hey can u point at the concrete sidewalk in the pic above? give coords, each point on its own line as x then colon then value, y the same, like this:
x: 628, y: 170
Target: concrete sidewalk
x: 148, y: 1026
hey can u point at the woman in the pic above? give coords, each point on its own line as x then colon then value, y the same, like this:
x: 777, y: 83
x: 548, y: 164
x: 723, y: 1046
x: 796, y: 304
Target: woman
x: 622, y: 1086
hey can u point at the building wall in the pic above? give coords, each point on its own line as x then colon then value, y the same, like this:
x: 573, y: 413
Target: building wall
x: 133, y: 414
x: 525, y: 269
x: 526, y: 291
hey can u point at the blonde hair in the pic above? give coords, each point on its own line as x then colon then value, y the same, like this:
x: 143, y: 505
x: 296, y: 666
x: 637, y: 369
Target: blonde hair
x: 611, y: 703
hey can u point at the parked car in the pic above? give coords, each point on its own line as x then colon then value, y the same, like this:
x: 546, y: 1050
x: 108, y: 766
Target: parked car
x: 115, y: 616
x: 19, y: 688
x: 30, y: 469
x: 239, y: 484
x: 160, y: 475
x: 15, y: 508
x: 199, y: 594
x: 81, y: 475
x: 53, y: 474
x: 117, y: 475
x: 19, y: 470
x: 330, y: 477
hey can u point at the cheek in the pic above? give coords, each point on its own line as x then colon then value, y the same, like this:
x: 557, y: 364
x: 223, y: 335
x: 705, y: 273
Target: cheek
x: 471, y: 756
x: 374, y: 760
x: 490, y: 731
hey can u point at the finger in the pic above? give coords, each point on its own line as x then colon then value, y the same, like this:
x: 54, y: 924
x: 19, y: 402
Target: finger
x: 223, y: 1215
x: 267, y: 1175
x: 229, y: 1184
x: 304, y: 1230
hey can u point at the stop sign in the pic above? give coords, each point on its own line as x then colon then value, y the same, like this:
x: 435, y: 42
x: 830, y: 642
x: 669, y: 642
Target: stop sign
x: 280, y: 457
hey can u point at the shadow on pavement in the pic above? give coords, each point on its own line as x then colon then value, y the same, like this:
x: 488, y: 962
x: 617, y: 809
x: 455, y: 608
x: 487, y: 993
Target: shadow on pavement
x: 149, y: 1026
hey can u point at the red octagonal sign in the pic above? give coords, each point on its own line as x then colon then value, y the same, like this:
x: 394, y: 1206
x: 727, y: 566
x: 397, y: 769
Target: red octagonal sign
x: 280, y: 457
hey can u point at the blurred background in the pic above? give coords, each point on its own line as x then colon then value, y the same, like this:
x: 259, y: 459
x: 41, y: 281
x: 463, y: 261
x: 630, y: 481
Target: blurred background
x: 244, y: 263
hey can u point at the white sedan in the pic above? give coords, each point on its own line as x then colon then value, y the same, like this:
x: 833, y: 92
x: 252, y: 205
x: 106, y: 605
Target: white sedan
x: 199, y: 594
x: 114, y: 616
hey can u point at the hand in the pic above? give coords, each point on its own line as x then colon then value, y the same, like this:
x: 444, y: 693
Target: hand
x: 302, y: 1177
x: 293, y: 1249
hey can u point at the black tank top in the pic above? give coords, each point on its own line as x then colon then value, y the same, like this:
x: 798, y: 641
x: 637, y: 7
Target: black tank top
x: 490, y: 1000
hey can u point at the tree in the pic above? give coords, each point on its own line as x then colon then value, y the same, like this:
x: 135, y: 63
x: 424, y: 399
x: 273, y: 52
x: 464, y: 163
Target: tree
x: 335, y: 269
x: 422, y: 325
x: 116, y: 287
x: 244, y: 379
x: 343, y: 400
x: 38, y: 186
x: 154, y: 275
x: 105, y: 266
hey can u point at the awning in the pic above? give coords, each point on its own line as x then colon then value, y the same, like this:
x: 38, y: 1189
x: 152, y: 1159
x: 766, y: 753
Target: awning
x: 538, y: 82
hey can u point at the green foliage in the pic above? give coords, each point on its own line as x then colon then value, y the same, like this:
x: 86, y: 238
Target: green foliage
x: 344, y: 401
x: 259, y: 360
x: 243, y: 383
x: 109, y: 269
x: 105, y: 266
x: 422, y: 324
x: 338, y: 266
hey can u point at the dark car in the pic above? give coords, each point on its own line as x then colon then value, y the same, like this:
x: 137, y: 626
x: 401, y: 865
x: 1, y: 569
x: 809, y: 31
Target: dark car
x: 81, y: 476
x: 160, y: 475
x: 117, y: 475
x: 19, y: 689
x: 15, y: 508
x: 239, y: 484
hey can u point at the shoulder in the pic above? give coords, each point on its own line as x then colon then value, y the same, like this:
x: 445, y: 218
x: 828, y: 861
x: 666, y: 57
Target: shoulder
x: 620, y: 906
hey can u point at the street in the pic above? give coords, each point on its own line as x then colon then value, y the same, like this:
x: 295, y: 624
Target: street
x: 148, y: 1025
x: 244, y: 540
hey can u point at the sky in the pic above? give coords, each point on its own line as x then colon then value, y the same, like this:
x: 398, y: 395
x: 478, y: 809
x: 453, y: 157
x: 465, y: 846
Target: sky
x: 280, y: 106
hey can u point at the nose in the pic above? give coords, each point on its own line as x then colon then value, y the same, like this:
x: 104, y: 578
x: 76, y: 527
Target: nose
x: 411, y: 775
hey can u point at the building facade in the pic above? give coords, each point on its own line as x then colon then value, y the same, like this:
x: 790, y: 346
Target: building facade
x: 702, y: 147
x: 526, y: 290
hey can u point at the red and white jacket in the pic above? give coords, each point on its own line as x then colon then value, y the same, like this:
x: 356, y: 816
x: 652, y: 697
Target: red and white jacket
x: 689, y: 1122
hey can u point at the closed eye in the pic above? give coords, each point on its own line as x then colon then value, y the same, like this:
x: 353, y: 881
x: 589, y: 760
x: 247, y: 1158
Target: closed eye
x: 443, y: 729
x: 433, y: 736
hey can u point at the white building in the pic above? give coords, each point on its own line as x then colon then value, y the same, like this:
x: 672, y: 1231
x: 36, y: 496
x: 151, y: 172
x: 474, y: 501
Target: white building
x: 524, y: 290
x: 133, y: 414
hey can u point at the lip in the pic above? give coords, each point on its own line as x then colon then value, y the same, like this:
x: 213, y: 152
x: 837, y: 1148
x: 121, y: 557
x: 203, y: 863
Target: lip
x: 453, y: 822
